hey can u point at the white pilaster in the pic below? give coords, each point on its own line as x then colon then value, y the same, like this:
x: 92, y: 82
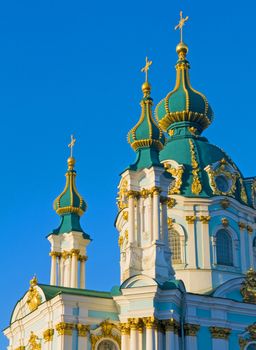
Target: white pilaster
x: 220, y: 344
x: 150, y: 338
x: 156, y: 214
x: 191, y: 243
x: 133, y: 338
x: 53, y: 268
x: 82, y: 336
x: 74, y: 268
x: 205, y: 243
x: 131, y: 216
x: 82, y: 271
x: 243, y: 250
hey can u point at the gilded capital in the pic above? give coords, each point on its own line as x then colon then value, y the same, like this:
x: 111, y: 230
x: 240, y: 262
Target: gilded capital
x: 82, y: 330
x: 124, y: 328
x: 191, y: 219
x: 220, y: 332
x: 205, y: 219
x: 75, y: 252
x: 191, y: 329
x: 164, y: 200
x: 241, y: 225
x: 82, y: 258
x: 249, y: 229
x: 48, y: 334
x: 54, y: 254
x: 171, y: 325
x: 64, y: 328
x: 20, y: 348
x: 134, y: 323
x: 150, y: 322
x: 170, y: 223
x: 155, y: 190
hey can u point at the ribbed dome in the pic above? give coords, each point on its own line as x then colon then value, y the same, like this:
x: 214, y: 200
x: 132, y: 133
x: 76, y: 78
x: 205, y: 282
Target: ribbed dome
x: 70, y: 201
x: 146, y: 133
x: 183, y: 103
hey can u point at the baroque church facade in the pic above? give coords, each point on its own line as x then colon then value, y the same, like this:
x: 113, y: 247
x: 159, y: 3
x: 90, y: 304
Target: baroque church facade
x: 187, y: 238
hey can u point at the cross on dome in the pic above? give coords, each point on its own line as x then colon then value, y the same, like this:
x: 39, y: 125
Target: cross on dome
x: 181, y: 24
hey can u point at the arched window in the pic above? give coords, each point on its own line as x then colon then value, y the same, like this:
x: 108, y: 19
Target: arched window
x: 251, y: 346
x: 224, y: 248
x: 107, y: 345
x: 175, y: 246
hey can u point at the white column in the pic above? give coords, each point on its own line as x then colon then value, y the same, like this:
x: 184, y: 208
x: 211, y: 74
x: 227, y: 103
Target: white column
x: 205, y: 242
x: 133, y: 338
x: 61, y: 269
x: 125, y: 339
x: 149, y: 222
x: 170, y: 335
x: 191, y: 335
x: 156, y: 214
x: 137, y: 221
x: 53, y: 268
x: 64, y: 331
x: 131, y: 216
x: 82, y: 271
x: 164, y: 236
x: 140, y: 338
x: 191, y: 254
x: 150, y: 338
x: 82, y: 336
x: 74, y: 268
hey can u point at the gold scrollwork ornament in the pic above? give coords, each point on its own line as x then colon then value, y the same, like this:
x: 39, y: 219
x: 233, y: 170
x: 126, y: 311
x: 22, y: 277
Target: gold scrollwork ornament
x: 34, y: 298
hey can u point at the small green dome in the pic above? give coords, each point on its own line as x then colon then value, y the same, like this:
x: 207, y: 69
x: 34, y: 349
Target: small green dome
x: 69, y: 205
x: 70, y: 201
x: 183, y: 103
x: 146, y: 133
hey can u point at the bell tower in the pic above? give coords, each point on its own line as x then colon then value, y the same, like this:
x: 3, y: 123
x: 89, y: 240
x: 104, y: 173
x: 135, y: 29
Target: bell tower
x: 69, y: 241
x: 143, y: 200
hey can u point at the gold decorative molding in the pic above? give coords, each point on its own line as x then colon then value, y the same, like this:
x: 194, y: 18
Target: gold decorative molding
x: 252, y: 331
x: 220, y: 332
x: 82, y: 258
x: 164, y: 200
x: 34, y: 298
x: 191, y: 329
x: 248, y: 287
x: 225, y: 203
x: 120, y: 241
x: 241, y: 225
x: 225, y: 222
x: 196, y: 186
x: 82, y: 330
x: 144, y: 193
x: 155, y: 190
x: 243, y: 191
x: 55, y: 254
x: 122, y: 198
x: 171, y: 203
x: 150, y: 322
x: 177, y: 174
x: 22, y: 347
x: 34, y: 342
x: 170, y: 222
x: 106, y: 332
x: 205, y: 219
x: 191, y: 219
x: 125, y: 215
x: 48, y: 334
x: 253, y: 193
x: 64, y: 328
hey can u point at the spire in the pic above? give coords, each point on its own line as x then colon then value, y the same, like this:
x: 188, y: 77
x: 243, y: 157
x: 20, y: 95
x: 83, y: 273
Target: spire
x: 184, y: 110
x: 69, y: 205
x: 146, y: 138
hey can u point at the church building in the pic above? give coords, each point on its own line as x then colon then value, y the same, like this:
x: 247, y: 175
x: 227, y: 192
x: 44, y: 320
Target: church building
x: 187, y: 237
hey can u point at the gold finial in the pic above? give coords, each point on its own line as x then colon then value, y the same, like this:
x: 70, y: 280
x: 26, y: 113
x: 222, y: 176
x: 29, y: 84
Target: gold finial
x: 180, y: 25
x: 71, y: 145
x: 146, y: 68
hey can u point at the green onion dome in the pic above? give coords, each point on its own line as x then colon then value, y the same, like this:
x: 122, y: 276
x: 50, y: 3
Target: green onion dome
x: 183, y: 103
x: 146, y: 138
x: 69, y: 204
x: 146, y: 133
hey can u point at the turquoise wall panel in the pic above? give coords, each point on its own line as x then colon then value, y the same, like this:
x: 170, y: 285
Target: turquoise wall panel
x: 103, y: 314
x: 204, y: 339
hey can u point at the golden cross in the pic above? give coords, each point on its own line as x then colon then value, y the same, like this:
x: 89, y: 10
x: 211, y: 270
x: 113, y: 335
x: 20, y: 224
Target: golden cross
x: 146, y: 68
x: 180, y: 25
x: 71, y: 145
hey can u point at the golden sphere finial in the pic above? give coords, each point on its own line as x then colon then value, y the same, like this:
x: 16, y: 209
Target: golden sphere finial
x: 71, y: 163
x: 182, y: 50
x: 146, y: 88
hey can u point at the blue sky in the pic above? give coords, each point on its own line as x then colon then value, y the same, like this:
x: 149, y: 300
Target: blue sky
x: 74, y: 67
